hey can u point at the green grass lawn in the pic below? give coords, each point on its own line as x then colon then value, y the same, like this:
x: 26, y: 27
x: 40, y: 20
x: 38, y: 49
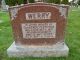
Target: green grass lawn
x: 72, y: 37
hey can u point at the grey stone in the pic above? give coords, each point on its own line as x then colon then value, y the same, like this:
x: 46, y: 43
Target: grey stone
x: 57, y: 50
x: 4, y: 7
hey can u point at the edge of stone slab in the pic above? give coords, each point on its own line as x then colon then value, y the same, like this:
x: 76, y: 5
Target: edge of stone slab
x: 60, y: 50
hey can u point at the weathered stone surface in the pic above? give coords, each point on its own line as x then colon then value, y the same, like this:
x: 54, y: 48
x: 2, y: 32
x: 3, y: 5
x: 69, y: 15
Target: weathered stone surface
x: 57, y: 50
x: 39, y: 30
x: 32, y: 23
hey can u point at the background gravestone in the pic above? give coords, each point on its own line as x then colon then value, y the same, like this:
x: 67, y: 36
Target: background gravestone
x: 4, y: 7
x: 39, y: 30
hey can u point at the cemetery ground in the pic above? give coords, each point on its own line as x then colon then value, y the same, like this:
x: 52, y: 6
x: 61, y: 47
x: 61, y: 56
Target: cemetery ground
x: 72, y: 37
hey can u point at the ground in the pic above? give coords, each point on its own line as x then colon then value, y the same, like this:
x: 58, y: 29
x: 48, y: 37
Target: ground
x: 72, y: 37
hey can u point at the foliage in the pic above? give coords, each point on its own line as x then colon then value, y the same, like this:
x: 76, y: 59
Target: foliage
x: 64, y: 2
x: 57, y: 1
x: 10, y: 2
x: 31, y: 1
x: 79, y: 2
x: 50, y: 1
x: 15, y: 2
x: 19, y: 2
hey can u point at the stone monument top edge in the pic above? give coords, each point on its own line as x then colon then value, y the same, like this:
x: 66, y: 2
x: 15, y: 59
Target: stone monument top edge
x: 40, y: 3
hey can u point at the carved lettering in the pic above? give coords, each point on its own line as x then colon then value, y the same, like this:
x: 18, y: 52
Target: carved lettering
x: 38, y: 16
x: 39, y: 30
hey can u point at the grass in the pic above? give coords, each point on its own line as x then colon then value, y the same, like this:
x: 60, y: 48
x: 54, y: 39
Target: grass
x: 72, y: 37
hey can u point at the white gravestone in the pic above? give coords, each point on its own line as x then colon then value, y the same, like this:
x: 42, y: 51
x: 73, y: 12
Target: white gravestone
x: 4, y: 6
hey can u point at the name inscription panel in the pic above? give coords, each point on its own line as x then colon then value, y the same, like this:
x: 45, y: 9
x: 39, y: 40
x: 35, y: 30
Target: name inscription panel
x: 38, y: 15
x: 38, y: 30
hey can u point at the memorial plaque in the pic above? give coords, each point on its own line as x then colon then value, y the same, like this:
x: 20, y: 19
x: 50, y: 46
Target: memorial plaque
x: 38, y: 30
x: 39, y: 23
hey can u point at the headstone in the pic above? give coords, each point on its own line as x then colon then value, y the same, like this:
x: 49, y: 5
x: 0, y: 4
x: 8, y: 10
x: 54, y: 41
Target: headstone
x: 4, y: 7
x: 38, y: 30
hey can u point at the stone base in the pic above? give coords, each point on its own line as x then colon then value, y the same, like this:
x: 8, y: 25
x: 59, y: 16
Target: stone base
x: 57, y: 50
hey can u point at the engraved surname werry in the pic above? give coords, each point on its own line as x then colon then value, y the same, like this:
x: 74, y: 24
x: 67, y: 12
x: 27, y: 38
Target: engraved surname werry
x: 38, y: 15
